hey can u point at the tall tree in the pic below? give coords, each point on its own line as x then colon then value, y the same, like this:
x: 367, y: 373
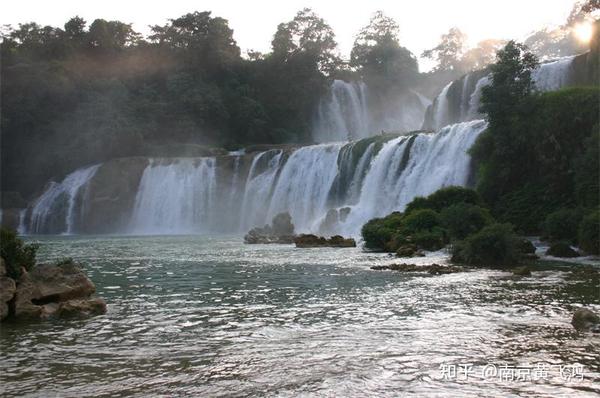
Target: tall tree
x: 378, y: 56
x: 449, y: 52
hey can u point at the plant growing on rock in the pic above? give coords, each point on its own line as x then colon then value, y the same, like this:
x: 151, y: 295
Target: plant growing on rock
x: 16, y: 253
x: 589, y: 233
x: 495, y: 245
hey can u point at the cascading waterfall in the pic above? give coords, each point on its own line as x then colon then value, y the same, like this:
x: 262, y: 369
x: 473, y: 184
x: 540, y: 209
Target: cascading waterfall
x: 57, y: 208
x: 549, y: 76
x: 303, y: 186
x: 343, y: 115
x: 407, y: 167
x: 176, y: 197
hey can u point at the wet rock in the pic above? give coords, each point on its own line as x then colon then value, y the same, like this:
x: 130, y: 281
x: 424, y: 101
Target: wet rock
x: 521, y: 271
x: 310, y: 240
x: 8, y: 288
x: 586, y: 320
x: 43, y: 291
x: 282, y: 231
x: 562, y: 249
x: 344, y: 212
x: 433, y: 269
x: 89, y: 307
x: 409, y: 250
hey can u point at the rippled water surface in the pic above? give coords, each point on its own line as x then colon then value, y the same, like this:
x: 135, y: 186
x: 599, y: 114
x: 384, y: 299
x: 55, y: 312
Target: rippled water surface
x: 209, y: 316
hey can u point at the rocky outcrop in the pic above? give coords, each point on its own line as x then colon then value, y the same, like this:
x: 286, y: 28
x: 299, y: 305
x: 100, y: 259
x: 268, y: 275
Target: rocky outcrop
x: 50, y: 290
x: 433, y: 269
x: 521, y: 271
x: 7, y: 290
x: 585, y: 320
x: 309, y: 240
x: 562, y: 249
x: 111, y: 192
x: 281, y: 230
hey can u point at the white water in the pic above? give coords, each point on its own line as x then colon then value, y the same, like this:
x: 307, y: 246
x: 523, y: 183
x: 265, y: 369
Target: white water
x: 175, y: 197
x: 351, y: 112
x: 435, y: 161
x: 57, y: 196
x: 548, y: 77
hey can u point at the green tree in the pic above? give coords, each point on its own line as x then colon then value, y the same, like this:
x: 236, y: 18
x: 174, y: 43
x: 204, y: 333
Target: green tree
x: 379, y: 58
x: 449, y: 52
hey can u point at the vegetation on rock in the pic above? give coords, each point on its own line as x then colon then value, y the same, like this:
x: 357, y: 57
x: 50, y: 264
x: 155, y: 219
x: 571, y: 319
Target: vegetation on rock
x: 16, y: 253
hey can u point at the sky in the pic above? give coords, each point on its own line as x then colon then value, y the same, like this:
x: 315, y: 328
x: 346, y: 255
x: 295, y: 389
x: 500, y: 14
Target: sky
x: 254, y: 22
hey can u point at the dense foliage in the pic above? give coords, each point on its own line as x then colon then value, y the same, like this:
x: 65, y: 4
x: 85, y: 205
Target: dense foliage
x: 16, y: 253
x: 540, y: 152
x: 494, y: 245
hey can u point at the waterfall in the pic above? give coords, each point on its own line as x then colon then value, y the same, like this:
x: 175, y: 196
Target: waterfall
x: 56, y: 210
x: 547, y: 77
x: 303, y: 186
x: 553, y: 75
x: 343, y: 114
x: 176, y: 197
x: 367, y: 178
x: 258, y: 188
x: 22, y: 228
x: 407, y: 167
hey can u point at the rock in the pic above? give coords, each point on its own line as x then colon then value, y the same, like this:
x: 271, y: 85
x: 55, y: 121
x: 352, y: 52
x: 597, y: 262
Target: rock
x: 585, y: 320
x: 408, y: 250
x: 525, y: 246
x: 282, y: 231
x: 43, y: 291
x: 310, y: 240
x: 562, y: 249
x: 433, y: 269
x: 7, y: 292
x: 89, y: 307
x: 521, y: 271
x: 282, y: 225
x: 344, y: 212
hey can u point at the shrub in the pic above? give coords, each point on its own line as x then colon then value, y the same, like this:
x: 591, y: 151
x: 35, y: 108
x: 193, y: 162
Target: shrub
x: 421, y: 220
x: 433, y: 239
x: 495, y: 245
x: 562, y: 225
x: 15, y: 253
x: 464, y: 219
x: 589, y: 233
x: 378, y: 232
x: 443, y: 198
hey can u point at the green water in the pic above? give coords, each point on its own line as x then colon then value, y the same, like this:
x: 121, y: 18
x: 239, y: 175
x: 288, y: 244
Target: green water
x: 209, y: 316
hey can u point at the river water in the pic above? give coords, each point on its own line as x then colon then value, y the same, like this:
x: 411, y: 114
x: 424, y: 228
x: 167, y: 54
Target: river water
x: 209, y: 316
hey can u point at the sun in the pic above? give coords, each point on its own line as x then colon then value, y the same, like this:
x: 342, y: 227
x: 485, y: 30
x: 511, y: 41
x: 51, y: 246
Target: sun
x: 583, y: 31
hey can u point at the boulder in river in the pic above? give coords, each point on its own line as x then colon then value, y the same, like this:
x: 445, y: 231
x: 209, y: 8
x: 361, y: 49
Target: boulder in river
x: 49, y: 290
x: 310, y: 240
x: 521, y: 271
x: 562, y: 249
x: 585, y: 320
x: 7, y: 290
x: 433, y: 269
x: 281, y: 231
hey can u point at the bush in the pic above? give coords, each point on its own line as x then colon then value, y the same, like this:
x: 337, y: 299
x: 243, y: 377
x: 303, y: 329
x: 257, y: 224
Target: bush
x: 494, y: 245
x: 443, y: 198
x: 464, y: 219
x: 562, y: 225
x: 434, y: 239
x: 589, y: 233
x: 421, y: 220
x: 378, y: 232
x: 15, y: 253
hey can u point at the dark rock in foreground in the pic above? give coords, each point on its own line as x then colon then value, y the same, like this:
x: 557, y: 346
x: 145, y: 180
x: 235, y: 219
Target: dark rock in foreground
x: 433, y: 269
x: 562, y: 249
x: 50, y: 290
x: 309, y: 240
x: 585, y: 320
x: 409, y: 250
